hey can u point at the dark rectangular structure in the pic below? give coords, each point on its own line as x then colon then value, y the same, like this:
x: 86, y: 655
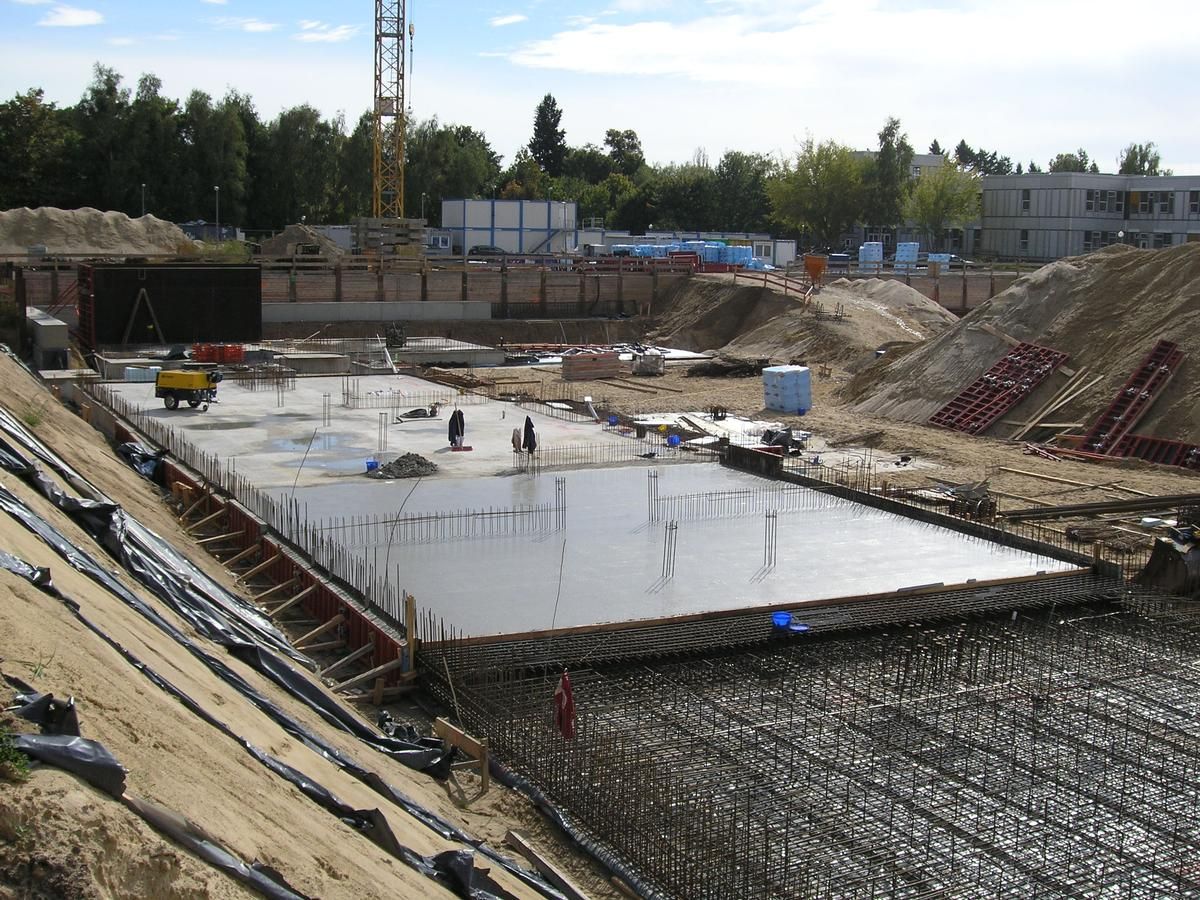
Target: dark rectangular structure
x: 127, y: 304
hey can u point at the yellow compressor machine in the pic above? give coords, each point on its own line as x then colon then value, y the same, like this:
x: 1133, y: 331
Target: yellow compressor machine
x: 196, y: 386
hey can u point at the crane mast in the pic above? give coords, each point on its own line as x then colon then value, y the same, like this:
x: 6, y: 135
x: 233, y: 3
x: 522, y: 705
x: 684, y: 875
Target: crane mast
x: 389, y: 111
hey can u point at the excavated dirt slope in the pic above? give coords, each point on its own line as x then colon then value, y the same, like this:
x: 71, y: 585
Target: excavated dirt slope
x: 78, y: 232
x: 1107, y: 310
x: 710, y: 312
x: 61, y: 838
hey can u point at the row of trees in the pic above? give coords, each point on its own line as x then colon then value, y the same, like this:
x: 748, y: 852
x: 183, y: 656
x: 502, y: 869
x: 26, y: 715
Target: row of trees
x: 120, y: 149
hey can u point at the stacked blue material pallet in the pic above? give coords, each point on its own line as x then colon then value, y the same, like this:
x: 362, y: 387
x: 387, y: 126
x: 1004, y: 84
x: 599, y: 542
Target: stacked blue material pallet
x: 787, y: 389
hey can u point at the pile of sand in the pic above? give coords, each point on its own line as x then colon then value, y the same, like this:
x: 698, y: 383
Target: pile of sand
x: 846, y: 323
x: 289, y: 241
x: 1107, y: 310
x: 87, y: 231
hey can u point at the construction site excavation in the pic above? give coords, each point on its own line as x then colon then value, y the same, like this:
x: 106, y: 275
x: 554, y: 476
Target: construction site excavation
x: 773, y: 585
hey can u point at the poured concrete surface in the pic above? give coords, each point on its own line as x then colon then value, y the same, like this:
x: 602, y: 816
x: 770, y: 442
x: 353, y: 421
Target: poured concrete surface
x: 269, y: 441
x: 612, y: 563
x: 610, y: 552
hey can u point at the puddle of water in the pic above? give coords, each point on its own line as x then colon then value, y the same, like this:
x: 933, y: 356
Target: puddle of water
x: 330, y: 440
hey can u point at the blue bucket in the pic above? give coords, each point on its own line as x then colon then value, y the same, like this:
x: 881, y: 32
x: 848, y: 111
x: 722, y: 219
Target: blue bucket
x: 781, y: 619
x: 672, y: 440
x: 612, y: 420
x: 372, y: 465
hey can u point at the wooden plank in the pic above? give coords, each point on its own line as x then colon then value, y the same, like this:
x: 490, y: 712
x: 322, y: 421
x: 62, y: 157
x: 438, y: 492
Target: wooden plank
x: 1049, y: 406
x: 454, y: 735
x: 368, y: 675
x: 220, y: 537
x: 283, y: 585
x: 212, y: 517
x: 347, y: 659
x: 245, y: 554
x: 321, y: 629
x: 291, y: 601
x: 261, y: 567
x: 377, y: 694
x: 1087, y: 484
x: 191, y: 509
x: 550, y: 872
x: 324, y: 645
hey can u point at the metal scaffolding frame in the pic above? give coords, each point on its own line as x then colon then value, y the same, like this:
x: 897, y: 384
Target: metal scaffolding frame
x: 389, y: 114
x: 1052, y: 751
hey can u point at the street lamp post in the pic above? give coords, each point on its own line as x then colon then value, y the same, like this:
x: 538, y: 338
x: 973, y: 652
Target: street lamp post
x: 423, y: 196
x: 143, y: 198
x: 217, y: 193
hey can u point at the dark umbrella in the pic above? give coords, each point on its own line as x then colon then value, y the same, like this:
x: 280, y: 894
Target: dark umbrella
x: 530, y: 442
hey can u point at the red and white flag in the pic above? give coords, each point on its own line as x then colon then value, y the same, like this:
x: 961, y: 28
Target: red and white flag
x: 564, y: 707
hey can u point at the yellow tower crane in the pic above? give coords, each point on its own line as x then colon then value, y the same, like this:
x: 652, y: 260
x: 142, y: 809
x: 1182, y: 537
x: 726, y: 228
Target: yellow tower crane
x: 389, y: 112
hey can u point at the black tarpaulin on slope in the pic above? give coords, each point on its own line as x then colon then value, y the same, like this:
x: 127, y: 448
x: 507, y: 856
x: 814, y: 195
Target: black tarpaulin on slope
x: 77, y: 755
x: 143, y: 459
x: 454, y: 869
x: 52, y: 716
x: 270, y: 666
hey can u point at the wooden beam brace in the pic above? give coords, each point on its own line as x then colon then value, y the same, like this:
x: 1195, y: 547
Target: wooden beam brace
x: 368, y: 675
x: 559, y: 879
x: 473, y: 747
x: 324, y: 645
x: 211, y: 517
x: 191, y: 509
x: 347, y: 659
x: 291, y: 601
x: 321, y: 629
x: 261, y: 567
x: 221, y: 537
x: 282, y: 586
x: 245, y: 554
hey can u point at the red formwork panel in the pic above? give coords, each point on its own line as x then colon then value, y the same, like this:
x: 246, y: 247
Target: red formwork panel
x: 1159, y: 450
x: 999, y: 389
x: 1134, y: 399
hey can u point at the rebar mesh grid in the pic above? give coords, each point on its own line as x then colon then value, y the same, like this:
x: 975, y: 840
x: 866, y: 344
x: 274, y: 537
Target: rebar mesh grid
x: 1054, y: 752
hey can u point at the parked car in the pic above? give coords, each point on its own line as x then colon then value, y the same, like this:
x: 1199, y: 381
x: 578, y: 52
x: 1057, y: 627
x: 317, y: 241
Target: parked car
x: 486, y: 250
x: 957, y: 262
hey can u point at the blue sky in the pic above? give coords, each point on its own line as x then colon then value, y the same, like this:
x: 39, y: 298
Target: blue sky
x: 1029, y: 78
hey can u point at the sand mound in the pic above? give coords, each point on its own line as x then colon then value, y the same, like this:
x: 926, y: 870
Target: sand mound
x: 712, y: 314
x: 80, y: 232
x: 299, y: 238
x: 1107, y: 310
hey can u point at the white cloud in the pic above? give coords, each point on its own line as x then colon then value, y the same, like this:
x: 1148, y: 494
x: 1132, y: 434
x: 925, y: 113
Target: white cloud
x: 501, y: 21
x: 32, y: 2
x: 122, y: 41
x: 313, y: 32
x: 244, y: 24
x: 71, y: 17
x: 216, y: 2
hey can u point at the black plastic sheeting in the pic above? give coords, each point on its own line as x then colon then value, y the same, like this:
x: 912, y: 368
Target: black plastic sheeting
x: 200, y: 601
x: 142, y: 458
x: 454, y: 870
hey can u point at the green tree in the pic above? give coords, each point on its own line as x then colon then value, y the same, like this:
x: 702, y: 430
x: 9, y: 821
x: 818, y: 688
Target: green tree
x: 625, y: 150
x: 943, y: 197
x: 444, y: 162
x: 685, y: 198
x: 982, y: 161
x: 820, y: 191
x: 156, y: 150
x: 741, y: 191
x: 548, y: 146
x: 524, y: 179
x: 588, y: 163
x: 887, y: 177
x: 1073, y: 162
x: 102, y: 162
x: 355, y: 185
x: 936, y: 149
x: 37, y: 141
x: 1141, y: 159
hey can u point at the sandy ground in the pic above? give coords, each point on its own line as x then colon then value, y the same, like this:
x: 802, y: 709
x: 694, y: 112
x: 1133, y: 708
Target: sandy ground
x: 172, y: 757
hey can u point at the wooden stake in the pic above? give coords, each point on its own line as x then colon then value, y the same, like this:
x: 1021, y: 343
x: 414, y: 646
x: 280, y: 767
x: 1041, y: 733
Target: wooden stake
x: 258, y: 598
x: 261, y: 567
x: 347, y: 659
x: 368, y: 675
x: 559, y: 879
x: 191, y: 509
x: 245, y: 554
x: 212, y: 517
x: 290, y: 602
x: 220, y: 537
x: 320, y: 630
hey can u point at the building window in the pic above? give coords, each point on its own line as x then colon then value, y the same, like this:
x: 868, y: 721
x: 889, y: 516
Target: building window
x: 1162, y: 239
x: 1090, y: 203
x: 762, y: 250
x: 1166, y: 202
x: 1194, y: 202
x: 1146, y: 202
x: 1025, y: 200
x: 1116, y: 201
x: 1091, y: 241
x: 916, y: 171
x: 1024, y: 238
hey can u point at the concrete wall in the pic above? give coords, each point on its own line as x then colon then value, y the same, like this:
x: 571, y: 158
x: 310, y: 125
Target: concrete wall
x: 375, y: 312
